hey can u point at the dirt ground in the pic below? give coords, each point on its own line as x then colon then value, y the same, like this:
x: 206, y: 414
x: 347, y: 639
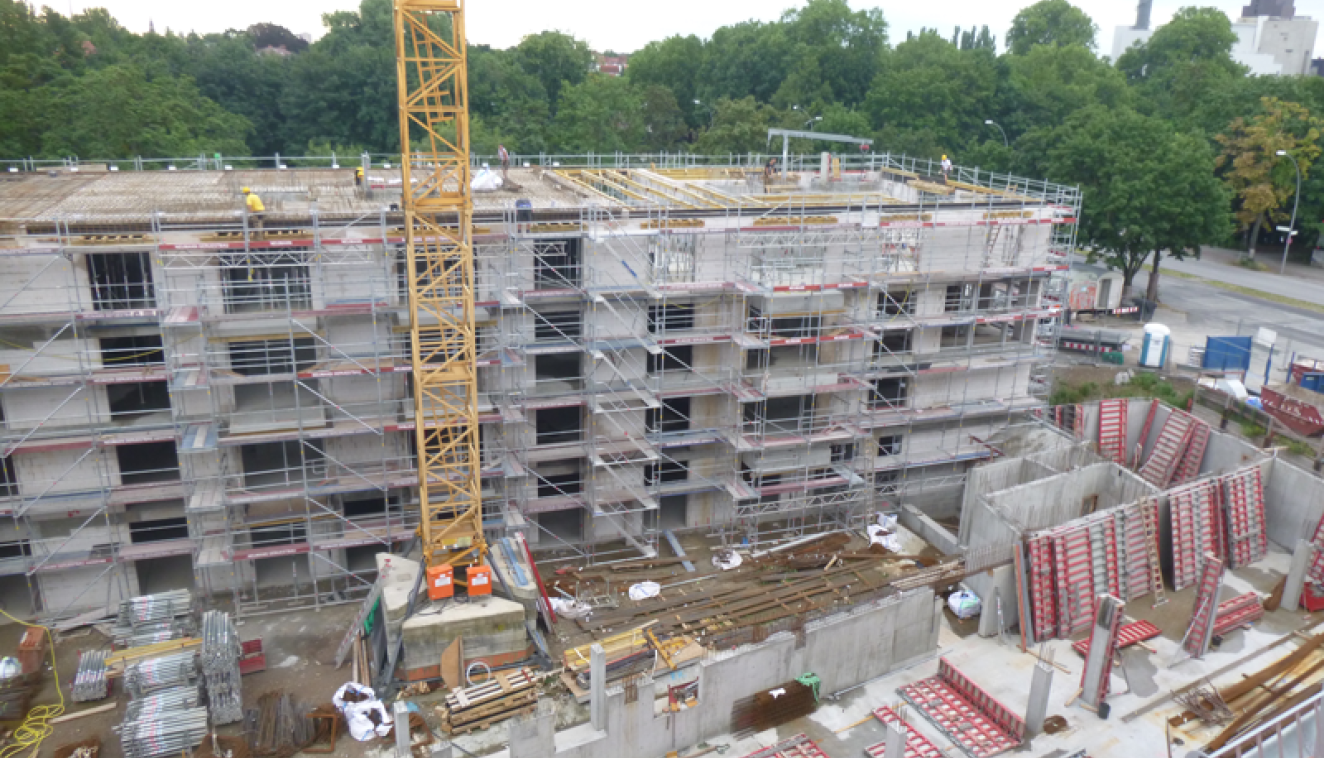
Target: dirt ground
x: 300, y: 647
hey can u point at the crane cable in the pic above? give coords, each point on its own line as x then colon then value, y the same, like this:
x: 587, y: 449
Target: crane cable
x: 36, y: 726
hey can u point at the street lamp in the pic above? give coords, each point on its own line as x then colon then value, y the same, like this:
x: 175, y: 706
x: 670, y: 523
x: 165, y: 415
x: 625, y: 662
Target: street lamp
x: 1295, y: 204
x: 712, y: 114
x: 810, y: 123
x: 1005, y: 143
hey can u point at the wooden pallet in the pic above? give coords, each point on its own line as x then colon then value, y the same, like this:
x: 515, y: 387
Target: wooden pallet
x: 489, y: 722
x: 507, y: 694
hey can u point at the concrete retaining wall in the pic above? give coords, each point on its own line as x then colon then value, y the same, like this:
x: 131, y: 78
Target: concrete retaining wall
x: 843, y: 650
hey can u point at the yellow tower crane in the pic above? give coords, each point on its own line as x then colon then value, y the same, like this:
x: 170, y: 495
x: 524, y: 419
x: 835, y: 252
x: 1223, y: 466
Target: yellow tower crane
x: 432, y: 71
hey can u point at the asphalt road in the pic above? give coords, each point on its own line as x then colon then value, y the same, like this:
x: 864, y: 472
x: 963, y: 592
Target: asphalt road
x: 1213, y: 311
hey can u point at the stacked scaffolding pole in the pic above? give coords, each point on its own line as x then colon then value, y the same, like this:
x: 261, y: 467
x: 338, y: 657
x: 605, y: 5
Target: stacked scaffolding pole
x: 220, y: 667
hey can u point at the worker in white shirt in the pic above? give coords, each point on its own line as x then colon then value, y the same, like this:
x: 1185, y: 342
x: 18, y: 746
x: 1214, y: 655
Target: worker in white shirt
x: 946, y: 168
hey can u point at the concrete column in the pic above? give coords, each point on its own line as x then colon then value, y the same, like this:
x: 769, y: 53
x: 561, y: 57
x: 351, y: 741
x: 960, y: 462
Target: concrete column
x: 533, y: 735
x: 1296, y: 574
x: 896, y: 741
x: 442, y: 749
x: 1037, y: 710
x: 1319, y: 728
x: 598, y: 688
x: 937, y: 624
x: 1102, y: 642
x: 400, y: 712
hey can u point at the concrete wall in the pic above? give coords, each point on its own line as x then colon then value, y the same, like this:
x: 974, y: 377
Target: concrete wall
x: 843, y: 650
x: 1293, y: 502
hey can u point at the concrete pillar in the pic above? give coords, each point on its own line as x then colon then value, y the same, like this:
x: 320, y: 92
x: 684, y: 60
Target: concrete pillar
x: 1296, y: 574
x: 1319, y: 728
x: 400, y: 712
x: 597, y: 687
x: 533, y: 735
x: 937, y: 623
x: 1103, y: 638
x: 896, y: 741
x: 442, y: 749
x: 1037, y: 710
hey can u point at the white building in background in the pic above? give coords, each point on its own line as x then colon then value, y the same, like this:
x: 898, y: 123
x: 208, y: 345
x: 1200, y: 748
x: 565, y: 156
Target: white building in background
x: 1271, y: 39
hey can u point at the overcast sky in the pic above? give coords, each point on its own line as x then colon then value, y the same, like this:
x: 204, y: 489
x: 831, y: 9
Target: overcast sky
x: 626, y: 25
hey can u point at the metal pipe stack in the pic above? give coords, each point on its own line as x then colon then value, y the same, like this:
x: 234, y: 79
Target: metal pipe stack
x: 221, y: 650
x: 153, y: 674
x: 148, y: 619
x: 172, y: 732
x: 90, y: 682
x: 163, y: 703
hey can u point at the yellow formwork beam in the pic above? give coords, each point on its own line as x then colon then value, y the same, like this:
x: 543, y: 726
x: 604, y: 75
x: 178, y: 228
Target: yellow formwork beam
x: 432, y: 75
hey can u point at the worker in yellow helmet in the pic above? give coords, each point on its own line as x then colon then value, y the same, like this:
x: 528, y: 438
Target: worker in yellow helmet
x: 255, y: 209
x: 946, y: 169
x: 358, y: 177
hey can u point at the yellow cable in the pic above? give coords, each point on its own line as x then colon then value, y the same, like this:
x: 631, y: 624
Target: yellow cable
x: 36, y: 727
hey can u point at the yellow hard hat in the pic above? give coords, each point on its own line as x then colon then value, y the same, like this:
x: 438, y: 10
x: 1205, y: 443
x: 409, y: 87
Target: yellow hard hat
x: 245, y: 190
x: 944, y: 157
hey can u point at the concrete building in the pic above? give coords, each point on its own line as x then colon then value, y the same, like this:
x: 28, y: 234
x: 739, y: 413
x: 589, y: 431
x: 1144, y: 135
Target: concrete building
x: 1271, y: 39
x: 189, y: 402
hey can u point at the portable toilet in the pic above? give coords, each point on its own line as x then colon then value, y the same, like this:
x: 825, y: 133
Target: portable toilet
x: 1154, y: 350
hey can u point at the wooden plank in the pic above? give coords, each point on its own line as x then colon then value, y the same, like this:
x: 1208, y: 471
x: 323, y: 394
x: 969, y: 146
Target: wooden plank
x: 149, y: 651
x: 452, y: 664
x: 80, y: 714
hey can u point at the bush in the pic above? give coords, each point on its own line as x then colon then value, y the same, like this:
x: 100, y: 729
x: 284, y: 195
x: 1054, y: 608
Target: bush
x: 1297, y: 447
x: 1252, y: 430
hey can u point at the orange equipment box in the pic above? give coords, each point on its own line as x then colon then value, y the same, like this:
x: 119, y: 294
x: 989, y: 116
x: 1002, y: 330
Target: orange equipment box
x: 441, y: 582
x: 480, y: 580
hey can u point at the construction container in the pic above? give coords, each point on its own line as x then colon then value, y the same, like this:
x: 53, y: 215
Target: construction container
x: 31, y: 649
x: 441, y: 582
x: 1154, y: 350
x: 480, y: 580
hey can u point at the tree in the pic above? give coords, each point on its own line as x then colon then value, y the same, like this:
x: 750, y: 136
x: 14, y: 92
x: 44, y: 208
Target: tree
x: 1186, y: 62
x: 1049, y: 83
x: 664, y: 122
x: 1262, y: 181
x: 929, y: 87
x: 120, y: 111
x: 834, y: 52
x: 674, y: 63
x: 1050, y: 22
x: 747, y: 59
x: 739, y: 126
x: 1148, y: 189
x: 556, y: 59
x: 275, y: 35
x: 602, y: 114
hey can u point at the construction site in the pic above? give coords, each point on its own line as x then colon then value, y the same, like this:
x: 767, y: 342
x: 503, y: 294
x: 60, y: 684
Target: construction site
x: 624, y: 456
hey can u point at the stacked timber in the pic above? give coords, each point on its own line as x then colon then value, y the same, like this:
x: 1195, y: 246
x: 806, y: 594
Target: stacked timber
x: 506, y: 694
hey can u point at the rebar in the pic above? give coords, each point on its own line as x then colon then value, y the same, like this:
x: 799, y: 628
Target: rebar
x: 221, y: 650
x: 90, y: 682
x: 153, y: 674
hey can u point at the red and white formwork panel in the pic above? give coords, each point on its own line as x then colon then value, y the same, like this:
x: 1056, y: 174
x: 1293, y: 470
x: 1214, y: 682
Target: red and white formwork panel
x: 1173, y: 441
x: 1201, y: 628
x: 1070, y: 565
x: 1238, y: 612
x: 1109, y: 637
x: 917, y: 745
x: 1112, y: 430
x: 1189, y: 466
x: 1130, y: 634
x: 799, y: 746
x: 1197, y: 529
x: 977, y: 722
x: 1243, y: 494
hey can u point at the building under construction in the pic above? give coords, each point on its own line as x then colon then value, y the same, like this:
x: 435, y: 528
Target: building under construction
x: 194, y: 398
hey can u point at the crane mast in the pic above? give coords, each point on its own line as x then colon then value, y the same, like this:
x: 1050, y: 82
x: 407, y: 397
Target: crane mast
x: 432, y: 71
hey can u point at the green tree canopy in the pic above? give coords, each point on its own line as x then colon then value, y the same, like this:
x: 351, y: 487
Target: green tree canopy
x: 739, y: 126
x: 602, y: 114
x: 1127, y: 165
x: 1050, y: 22
x: 673, y: 63
x: 556, y: 59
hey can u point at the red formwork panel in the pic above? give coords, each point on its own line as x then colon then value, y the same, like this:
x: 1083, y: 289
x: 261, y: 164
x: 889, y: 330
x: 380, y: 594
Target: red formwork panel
x: 1129, y: 634
x: 1189, y: 466
x: 1112, y: 430
x: 1043, y: 603
x: 917, y: 745
x: 1073, y: 569
x: 1197, y: 528
x: 1238, y: 611
x: 976, y: 721
x: 1243, y: 494
x: 1205, y: 608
